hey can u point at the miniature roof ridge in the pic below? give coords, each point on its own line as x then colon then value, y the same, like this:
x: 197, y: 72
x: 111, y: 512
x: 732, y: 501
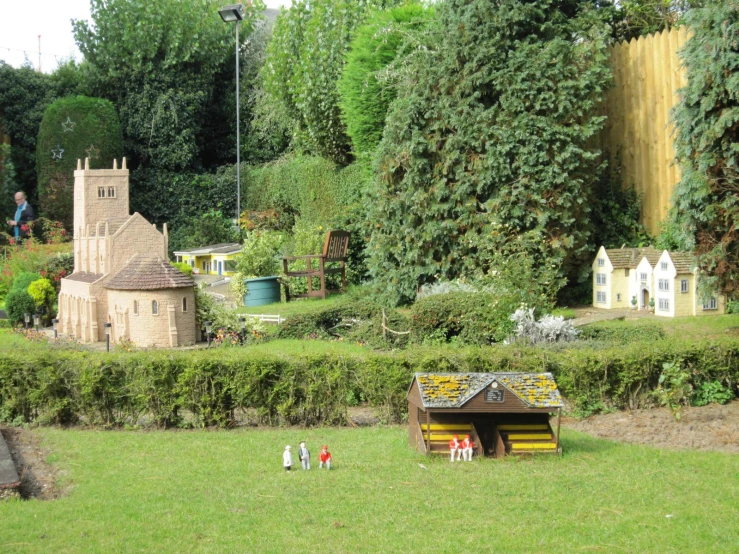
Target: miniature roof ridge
x: 211, y: 248
x: 479, y: 381
x: 143, y: 272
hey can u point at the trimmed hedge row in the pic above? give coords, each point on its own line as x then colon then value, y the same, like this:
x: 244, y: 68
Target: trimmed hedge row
x: 157, y: 387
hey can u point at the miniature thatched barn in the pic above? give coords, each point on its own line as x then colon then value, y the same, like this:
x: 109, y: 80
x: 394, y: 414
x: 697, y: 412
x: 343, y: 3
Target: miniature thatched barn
x: 504, y: 413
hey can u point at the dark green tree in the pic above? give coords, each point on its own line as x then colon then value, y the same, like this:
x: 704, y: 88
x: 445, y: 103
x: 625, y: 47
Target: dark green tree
x: 364, y: 99
x: 168, y: 67
x: 304, y: 61
x: 73, y: 128
x: 24, y: 95
x: 490, y: 127
x: 706, y: 200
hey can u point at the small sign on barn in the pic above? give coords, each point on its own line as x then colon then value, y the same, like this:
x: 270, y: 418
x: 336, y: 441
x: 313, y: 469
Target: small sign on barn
x: 504, y: 413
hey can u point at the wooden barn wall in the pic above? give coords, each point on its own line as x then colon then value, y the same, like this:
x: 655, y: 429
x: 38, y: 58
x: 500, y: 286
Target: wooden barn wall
x: 647, y: 75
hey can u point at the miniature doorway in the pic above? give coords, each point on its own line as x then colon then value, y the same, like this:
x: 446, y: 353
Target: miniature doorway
x: 644, y: 298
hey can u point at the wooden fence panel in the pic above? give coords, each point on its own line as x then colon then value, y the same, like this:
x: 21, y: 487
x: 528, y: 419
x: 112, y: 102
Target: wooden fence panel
x: 638, y: 133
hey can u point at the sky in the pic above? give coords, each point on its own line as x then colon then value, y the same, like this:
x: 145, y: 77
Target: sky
x: 21, y: 22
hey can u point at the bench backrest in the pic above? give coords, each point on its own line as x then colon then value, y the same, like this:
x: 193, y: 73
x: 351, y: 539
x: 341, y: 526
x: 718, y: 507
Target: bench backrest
x: 335, y: 247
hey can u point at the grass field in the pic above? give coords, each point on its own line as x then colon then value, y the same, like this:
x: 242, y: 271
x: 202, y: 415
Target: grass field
x: 207, y: 491
x: 688, y: 328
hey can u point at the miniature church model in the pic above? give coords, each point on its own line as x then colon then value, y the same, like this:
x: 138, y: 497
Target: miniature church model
x: 122, y: 275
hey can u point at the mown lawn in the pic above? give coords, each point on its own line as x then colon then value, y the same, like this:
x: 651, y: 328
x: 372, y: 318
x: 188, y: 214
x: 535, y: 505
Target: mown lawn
x: 225, y: 491
x: 688, y: 328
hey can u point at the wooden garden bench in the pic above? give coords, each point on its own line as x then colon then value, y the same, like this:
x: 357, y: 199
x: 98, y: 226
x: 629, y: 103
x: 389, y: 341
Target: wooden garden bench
x: 334, y: 251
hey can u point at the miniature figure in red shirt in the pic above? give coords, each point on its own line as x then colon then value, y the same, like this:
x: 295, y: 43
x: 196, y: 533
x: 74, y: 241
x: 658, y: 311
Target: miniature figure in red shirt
x: 467, y: 446
x: 454, y: 447
x: 324, y: 458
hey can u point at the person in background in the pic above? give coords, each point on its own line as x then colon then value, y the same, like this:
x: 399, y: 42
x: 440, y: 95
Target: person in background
x: 287, y: 458
x: 324, y: 458
x: 23, y: 216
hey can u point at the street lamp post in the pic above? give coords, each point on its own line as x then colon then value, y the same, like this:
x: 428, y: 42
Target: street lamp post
x: 36, y: 321
x: 242, y: 324
x: 107, y: 336
x: 208, y: 327
x: 235, y: 12
x: 55, y: 324
x: 27, y: 319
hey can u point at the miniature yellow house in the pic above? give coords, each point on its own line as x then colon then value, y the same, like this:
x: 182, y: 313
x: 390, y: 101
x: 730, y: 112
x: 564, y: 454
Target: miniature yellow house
x: 668, y: 278
x: 122, y: 275
x: 215, y: 259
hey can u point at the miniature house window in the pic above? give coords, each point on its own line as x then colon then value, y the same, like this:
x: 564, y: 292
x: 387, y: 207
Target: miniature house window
x: 184, y: 304
x: 683, y: 285
x: 664, y: 304
x: 135, y: 307
x: 111, y: 192
x: 618, y: 297
x: 710, y: 303
x: 192, y: 263
x: 663, y: 285
x: 101, y: 192
x: 203, y: 265
x: 626, y: 272
x: 601, y: 262
x: 600, y: 297
x: 600, y: 278
x: 154, y: 307
x: 643, y: 277
x: 663, y: 266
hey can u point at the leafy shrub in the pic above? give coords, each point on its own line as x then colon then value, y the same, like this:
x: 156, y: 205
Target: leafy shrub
x: 44, y: 296
x: 183, y: 267
x: 56, y: 267
x: 675, y: 388
x: 705, y: 204
x: 477, y: 318
x: 354, y: 319
x: 477, y: 136
x: 623, y: 333
x: 710, y: 392
x: 17, y: 303
x: 23, y: 280
x: 260, y: 255
x: 445, y: 287
x: 75, y: 124
x: 548, y: 329
x: 364, y: 99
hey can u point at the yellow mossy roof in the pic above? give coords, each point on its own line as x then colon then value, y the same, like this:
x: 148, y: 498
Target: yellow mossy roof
x: 453, y: 390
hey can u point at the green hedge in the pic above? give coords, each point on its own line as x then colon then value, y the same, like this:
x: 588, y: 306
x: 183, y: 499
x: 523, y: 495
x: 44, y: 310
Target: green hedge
x: 57, y: 386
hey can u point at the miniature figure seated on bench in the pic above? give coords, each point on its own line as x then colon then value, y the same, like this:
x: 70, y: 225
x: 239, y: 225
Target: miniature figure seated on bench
x: 334, y: 251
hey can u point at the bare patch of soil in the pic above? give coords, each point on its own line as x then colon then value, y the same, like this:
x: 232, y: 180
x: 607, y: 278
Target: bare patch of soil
x: 712, y: 427
x: 38, y: 478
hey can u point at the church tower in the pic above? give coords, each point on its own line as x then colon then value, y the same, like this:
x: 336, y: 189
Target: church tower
x: 100, y: 196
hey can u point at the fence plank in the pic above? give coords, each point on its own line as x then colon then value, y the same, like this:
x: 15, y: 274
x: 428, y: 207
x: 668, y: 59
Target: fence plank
x: 639, y: 133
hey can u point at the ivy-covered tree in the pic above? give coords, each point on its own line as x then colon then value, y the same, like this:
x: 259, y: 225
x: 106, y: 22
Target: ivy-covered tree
x: 491, y: 127
x: 72, y: 129
x: 304, y: 61
x: 705, y: 210
x: 364, y: 99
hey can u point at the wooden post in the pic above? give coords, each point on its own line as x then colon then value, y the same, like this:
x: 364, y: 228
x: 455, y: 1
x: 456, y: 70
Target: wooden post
x: 559, y: 422
x: 428, y: 432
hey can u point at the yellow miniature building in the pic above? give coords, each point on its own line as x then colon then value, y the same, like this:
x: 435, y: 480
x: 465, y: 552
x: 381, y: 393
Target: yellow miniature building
x: 216, y: 259
x: 122, y: 276
x: 622, y: 275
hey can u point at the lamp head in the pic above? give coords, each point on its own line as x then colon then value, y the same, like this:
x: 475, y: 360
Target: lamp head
x: 107, y: 328
x: 232, y: 12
